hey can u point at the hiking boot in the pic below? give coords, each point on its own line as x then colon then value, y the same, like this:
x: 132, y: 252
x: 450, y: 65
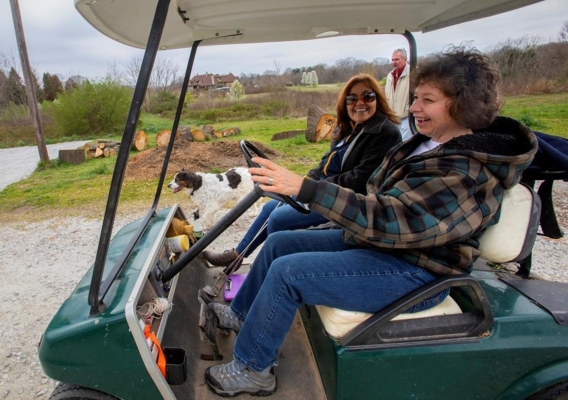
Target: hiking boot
x: 234, y: 378
x: 220, y: 259
x: 226, y: 318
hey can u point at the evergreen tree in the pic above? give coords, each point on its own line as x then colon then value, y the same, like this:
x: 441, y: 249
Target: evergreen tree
x: 15, y: 89
x: 237, y: 91
x: 70, y: 84
x: 51, y: 86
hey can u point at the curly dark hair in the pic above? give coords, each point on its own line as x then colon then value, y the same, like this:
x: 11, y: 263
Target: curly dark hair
x: 343, y: 119
x: 467, y: 77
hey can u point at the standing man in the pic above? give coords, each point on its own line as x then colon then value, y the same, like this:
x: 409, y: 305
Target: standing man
x: 397, y: 90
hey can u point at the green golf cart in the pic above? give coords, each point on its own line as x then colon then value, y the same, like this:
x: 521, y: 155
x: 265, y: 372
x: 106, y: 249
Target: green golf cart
x: 499, y: 335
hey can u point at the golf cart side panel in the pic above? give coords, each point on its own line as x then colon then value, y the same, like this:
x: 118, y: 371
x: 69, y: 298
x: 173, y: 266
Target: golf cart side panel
x: 523, y: 342
x: 546, y: 377
x: 99, y: 351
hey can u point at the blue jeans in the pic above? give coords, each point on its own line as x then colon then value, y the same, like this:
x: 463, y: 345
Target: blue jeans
x: 282, y: 218
x: 315, y: 267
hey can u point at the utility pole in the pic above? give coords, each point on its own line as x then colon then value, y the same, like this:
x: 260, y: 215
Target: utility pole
x: 30, y: 92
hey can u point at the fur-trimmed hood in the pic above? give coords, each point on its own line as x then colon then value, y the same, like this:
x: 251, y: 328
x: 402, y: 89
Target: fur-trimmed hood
x: 506, y: 147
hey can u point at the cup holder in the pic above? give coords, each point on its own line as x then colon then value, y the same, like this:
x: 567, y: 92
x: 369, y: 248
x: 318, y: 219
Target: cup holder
x: 176, y: 365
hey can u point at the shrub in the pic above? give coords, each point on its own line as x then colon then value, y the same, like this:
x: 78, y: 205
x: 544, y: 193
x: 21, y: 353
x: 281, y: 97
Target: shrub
x: 161, y: 102
x: 17, y: 128
x: 92, y: 109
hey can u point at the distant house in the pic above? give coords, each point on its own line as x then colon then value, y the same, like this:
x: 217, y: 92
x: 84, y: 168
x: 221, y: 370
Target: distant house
x: 211, y: 81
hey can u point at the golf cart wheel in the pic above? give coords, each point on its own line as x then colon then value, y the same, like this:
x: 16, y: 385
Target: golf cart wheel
x: 65, y: 391
x: 556, y: 392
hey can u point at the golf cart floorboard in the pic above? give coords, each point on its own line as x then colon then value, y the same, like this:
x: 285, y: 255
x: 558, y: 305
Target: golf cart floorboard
x: 296, y: 375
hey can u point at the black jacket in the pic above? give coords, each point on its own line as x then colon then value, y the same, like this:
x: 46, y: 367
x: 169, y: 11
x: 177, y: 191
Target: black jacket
x: 365, y: 154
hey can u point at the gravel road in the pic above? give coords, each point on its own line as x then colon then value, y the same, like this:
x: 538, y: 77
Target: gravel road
x: 41, y: 262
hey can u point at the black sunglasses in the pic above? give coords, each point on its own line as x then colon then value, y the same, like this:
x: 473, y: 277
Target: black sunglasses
x: 367, y: 97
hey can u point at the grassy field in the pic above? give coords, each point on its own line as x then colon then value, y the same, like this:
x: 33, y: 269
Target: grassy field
x: 73, y: 187
x: 546, y: 113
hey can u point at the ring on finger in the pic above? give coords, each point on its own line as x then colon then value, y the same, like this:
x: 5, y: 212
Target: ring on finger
x: 269, y: 181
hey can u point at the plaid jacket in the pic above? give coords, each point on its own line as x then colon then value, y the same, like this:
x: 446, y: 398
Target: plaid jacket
x: 430, y: 209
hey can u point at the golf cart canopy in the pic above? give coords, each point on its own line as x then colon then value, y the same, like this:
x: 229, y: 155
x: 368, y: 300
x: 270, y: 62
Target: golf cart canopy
x: 254, y: 21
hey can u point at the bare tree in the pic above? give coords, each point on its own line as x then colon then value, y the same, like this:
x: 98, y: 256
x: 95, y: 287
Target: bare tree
x: 164, y: 76
x: 564, y: 32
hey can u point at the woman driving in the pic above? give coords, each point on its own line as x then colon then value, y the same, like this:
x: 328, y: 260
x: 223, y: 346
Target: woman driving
x: 425, y: 209
x: 366, y: 130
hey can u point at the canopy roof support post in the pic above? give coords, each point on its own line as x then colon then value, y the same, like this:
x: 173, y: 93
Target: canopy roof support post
x: 122, y: 158
x: 413, y: 55
x: 179, y: 110
x: 138, y: 234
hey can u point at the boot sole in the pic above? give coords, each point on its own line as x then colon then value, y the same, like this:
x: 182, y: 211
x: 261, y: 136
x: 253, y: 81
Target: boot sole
x: 224, y: 393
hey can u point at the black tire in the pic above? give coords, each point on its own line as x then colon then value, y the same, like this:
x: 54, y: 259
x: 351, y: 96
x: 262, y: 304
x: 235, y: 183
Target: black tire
x: 555, y: 392
x: 65, y: 391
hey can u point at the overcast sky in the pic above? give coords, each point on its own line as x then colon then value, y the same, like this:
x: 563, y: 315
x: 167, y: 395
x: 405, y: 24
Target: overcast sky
x: 61, y: 42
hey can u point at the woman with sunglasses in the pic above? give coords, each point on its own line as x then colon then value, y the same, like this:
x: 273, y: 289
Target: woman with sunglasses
x: 366, y: 130
x: 427, y: 206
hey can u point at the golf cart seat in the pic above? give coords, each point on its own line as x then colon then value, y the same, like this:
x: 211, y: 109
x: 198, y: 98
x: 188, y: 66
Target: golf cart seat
x: 511, y: 239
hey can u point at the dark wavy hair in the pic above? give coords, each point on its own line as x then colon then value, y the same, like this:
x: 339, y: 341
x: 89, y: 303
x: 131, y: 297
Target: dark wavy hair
x: 467, y: 77
x: 343, y: 120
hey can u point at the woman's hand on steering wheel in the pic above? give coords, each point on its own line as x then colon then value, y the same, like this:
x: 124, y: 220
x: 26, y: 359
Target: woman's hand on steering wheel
x: 274, y: 181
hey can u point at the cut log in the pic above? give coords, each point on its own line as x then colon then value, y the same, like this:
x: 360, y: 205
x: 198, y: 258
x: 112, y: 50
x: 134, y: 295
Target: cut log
x: 108, y: 143
x: 288, y: 134
x: 207, y: 130
x: 74, y: 156
x: 218, y: 134
x: 185, y: 132
x: 89, y: 147
x: 314, y: 115
x: 98, y: 153
x: 198, y: 135
x: 325, y: 127
x: 228, y: 132
x: 163, y: 137
x: 140, y: 141
x: 113, y: 151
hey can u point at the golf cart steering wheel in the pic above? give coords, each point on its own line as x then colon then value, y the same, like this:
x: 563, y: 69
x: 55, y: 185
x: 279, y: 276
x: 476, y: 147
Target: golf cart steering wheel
x: 249, y: 150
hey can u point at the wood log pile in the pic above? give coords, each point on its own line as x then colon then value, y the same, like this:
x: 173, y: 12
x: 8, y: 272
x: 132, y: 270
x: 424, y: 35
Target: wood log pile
x: 101, y: 148
x: 200, y: 134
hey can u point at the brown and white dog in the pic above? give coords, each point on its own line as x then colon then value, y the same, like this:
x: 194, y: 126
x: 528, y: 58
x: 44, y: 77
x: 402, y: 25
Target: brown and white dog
x: 213, y: 192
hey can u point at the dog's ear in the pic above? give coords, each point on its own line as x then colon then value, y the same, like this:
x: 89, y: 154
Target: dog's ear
x: 184, y: 175
x: 195, y: 180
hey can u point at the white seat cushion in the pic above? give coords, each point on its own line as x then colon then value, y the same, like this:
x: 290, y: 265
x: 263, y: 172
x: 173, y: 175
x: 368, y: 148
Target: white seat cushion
x: 338, y: 323
x: 506, y: 240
